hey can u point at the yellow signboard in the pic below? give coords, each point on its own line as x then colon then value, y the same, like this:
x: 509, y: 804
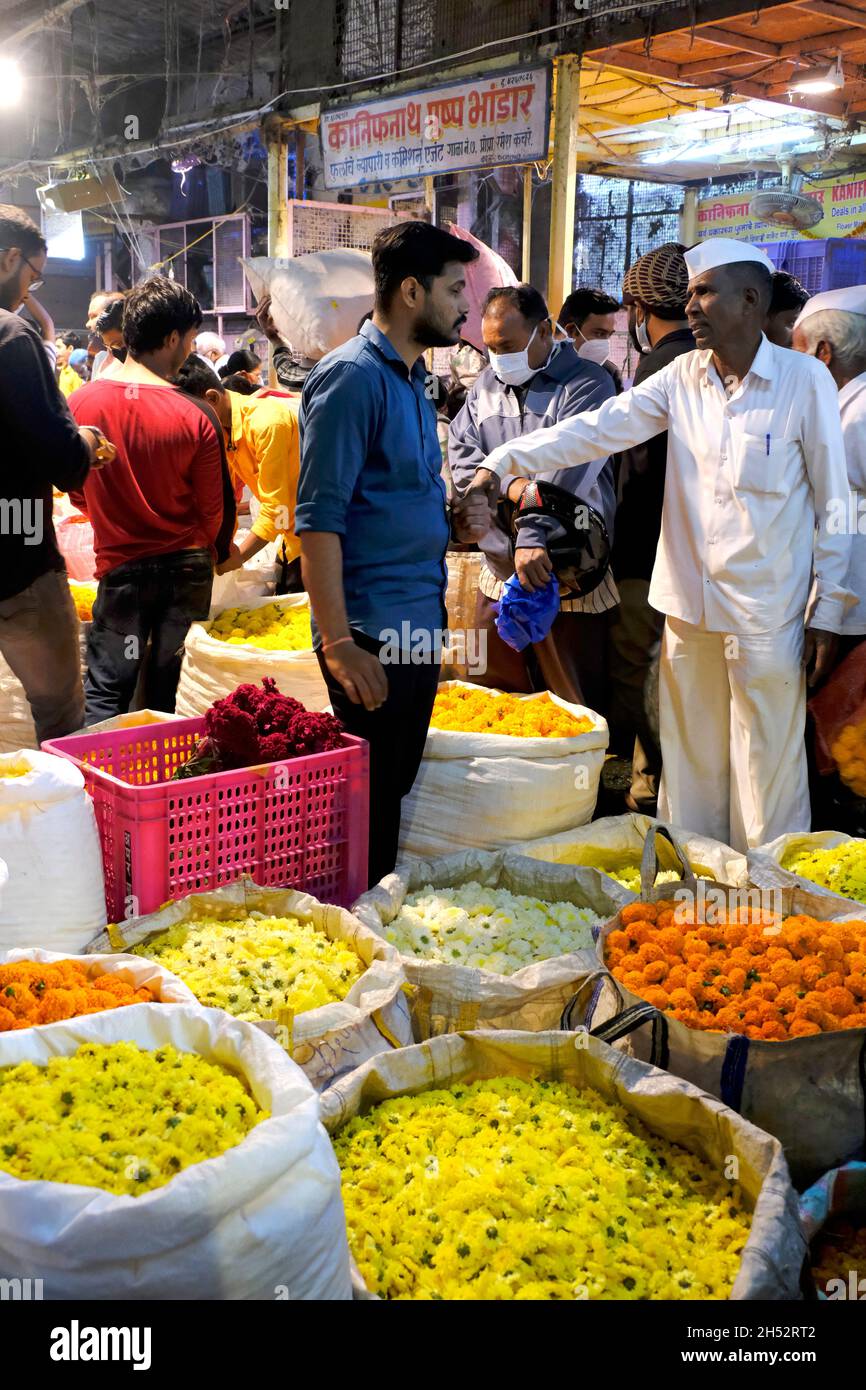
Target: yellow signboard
x: 843, y: 202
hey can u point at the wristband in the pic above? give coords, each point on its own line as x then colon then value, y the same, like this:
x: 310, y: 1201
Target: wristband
x: 338, y: 642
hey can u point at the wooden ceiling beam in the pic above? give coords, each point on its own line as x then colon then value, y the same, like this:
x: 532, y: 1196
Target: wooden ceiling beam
x: 829, y: 9
x: 819, y: 43
x: 637, y: 62
x: 740, y: 43
x: 712, y: 65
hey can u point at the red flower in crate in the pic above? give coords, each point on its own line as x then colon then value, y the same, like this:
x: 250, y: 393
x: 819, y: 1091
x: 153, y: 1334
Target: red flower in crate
x: 257, y: 724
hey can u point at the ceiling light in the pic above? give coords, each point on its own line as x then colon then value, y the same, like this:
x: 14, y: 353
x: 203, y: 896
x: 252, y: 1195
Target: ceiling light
x: 781, y: 135
x: 820, y: 81
x: 11, y: 82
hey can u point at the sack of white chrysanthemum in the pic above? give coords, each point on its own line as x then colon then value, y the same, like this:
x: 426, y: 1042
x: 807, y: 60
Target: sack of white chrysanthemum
x: 48, y: 839
x: 213, y: 1178
x: 492, y: 939
x: 452, y: 1196
x: 308, y: 973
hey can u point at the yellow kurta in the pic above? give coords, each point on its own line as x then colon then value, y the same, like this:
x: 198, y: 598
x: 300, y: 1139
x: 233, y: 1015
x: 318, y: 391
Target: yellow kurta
x: 264, y: 454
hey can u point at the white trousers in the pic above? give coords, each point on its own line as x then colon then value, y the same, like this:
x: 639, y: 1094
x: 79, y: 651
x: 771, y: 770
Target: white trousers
x: 732, y: 714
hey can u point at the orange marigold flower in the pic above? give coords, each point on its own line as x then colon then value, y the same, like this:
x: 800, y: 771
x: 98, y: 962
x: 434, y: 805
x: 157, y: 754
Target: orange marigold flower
x: 638, y: 912
x: 655, y: 972
x: 695, y: 945
x: 857, y: 985
x: 649, y: 951
x: 784, y: 972
x: 839, y: 1001
x: 764, y: 989
x: 679, y: 974
x: 617, y: 941
x: 682, y: 999
x: 671, y: 941
x: 655, y: 995
x: 773, y: 1031
x: 802, y: 1028
x: 853, y: 1020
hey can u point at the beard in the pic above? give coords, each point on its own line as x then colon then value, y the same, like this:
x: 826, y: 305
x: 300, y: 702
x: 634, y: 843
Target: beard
x: 433, y: 332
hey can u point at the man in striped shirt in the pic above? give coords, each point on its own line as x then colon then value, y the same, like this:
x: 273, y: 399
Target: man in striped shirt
x: 535, y: 380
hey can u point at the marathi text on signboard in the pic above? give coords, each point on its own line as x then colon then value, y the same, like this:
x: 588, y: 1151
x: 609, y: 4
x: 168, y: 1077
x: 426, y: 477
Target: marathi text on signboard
x: 842, y: 201
x: 501, y: 118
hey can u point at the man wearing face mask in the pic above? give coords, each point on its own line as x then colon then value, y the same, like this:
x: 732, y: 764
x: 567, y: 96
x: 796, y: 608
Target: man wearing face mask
x: 535, y: 377
x: 655, y: 290
x: 589, y: 318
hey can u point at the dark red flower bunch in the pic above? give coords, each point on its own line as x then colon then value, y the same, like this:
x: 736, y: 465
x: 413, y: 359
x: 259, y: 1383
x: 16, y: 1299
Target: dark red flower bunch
x: 257, y: 724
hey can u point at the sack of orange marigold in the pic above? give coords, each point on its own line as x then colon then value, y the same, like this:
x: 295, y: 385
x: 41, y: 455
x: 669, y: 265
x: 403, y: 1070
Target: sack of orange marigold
x: 40, y: 987
x: 498, y: 769
x: 833, y: 1215
x: 758, y: 996
x: 156, y: 1153
x: 548, y: 1166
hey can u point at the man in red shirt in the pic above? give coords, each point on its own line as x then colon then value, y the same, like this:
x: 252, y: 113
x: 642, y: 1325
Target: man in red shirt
x: 166, y: 515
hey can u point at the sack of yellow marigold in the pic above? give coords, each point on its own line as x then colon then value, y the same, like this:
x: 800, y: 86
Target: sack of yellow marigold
x: 833, y: 1215
x: 54, y: 896
x: 159, y: 1153
x: 499, y: 769
x: 613, y: 847
x: 310, y: 974
x: 756, y: 995
x: 825, y: 862
x: 267, y: 637
x: 491, y: 939
x: 456, y: 1154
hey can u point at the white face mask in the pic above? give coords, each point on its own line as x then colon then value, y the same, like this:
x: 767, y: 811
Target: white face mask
x: 594, y: 349
x: 643, y: 337
x: 512, y: 368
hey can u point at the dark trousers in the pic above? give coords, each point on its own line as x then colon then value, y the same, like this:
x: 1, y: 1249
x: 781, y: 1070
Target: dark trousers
x: 153, y: 600
x: 571, y: 661
x: 396, y: 733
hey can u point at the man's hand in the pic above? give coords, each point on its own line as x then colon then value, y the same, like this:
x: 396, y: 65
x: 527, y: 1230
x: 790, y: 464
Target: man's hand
x: 102, y: 451
x: 532, y: 566
x: 516, y: 488
x: 265, y: 321
x: 484, y: 484
x: 234, y: 561
x: 471, y: 517
x: 819, y: 654
x: 360, y: 673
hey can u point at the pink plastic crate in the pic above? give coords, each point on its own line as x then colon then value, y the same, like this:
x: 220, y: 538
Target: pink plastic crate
x: 303, y: 823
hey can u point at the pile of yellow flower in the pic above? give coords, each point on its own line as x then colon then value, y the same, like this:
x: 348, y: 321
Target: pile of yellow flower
x: 506, y: 1188
x: 849, y: 750
x: 623, y: 867
x: 274, y: 627
x: 484, y: 712
x: 14, y: 769
x: 84, y: 597
x: 842, y: 869
x: 120, y: 1118
x: 256, y: 966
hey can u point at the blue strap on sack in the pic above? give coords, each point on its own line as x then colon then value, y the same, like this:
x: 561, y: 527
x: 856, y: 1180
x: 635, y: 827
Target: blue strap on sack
x: 523, y: 617
x: 733, y: 1076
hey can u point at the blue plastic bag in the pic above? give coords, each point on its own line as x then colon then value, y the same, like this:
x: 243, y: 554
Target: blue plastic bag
x: 525, y: 617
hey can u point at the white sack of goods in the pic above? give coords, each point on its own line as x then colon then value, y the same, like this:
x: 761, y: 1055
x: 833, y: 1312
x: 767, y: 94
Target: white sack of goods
x: 161, y: 1152
x: 266, y: 637
x: 308, y: 973
x: 317, y: 300
x: 500, y: 769
x: 49, y: 842
x: 492, y: 939
x: 614, y: 847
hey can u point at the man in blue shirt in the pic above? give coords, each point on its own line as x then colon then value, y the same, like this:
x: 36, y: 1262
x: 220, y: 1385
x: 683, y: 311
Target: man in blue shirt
x: 372, y: 518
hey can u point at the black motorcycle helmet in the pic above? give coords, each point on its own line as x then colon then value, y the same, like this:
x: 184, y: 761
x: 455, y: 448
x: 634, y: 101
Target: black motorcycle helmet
x: 580, y: 547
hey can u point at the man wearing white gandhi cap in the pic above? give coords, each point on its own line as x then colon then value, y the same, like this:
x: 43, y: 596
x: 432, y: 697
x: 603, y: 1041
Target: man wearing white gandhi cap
x: 755, y: 460
x: 832, y: 327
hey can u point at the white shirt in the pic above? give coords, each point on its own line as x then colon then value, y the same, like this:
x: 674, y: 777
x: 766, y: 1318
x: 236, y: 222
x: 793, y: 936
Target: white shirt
x: 852, y: 404
x: 754, y: 473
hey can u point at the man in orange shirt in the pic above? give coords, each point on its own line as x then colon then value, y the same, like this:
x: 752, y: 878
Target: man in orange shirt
x: 262, y: 443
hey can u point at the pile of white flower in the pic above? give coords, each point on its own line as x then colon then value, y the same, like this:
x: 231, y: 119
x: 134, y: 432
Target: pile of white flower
x: 488, y: 928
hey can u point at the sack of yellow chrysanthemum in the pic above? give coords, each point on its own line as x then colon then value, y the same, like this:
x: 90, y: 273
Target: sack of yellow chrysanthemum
x: 49, y: 842
x: 614, y: 847
x: 310, y: 974
x: 499, y: 769
x: 758, y: 996
x: 155, y: 1152
x: 823, y: 861
x: 548, y: 1166
x: 491, y: 939
x: 267, y: 637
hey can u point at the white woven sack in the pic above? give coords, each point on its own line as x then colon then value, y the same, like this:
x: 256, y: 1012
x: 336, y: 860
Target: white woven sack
x: 328, y: 1041
x: 483, y: 791
x: 765, y: 863
x: 213, y: 669
x: 263, y: 1216
x: 48, y: 839
x: 773, y: 1255
x: 317, y: 300
x: 447, y: 998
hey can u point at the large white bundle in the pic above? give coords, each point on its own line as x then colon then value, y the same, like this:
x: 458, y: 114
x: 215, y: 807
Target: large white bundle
x: 213, y: 669
x: 48, y: 839
x: 317, y: 300
x: 263, y: 1216
x: 481, y: 791
x: 333, y: 1039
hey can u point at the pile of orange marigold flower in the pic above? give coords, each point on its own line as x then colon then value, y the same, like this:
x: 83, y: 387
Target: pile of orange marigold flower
x: 486, y: 712
x: 754, y: 974
x: 33, y: 992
